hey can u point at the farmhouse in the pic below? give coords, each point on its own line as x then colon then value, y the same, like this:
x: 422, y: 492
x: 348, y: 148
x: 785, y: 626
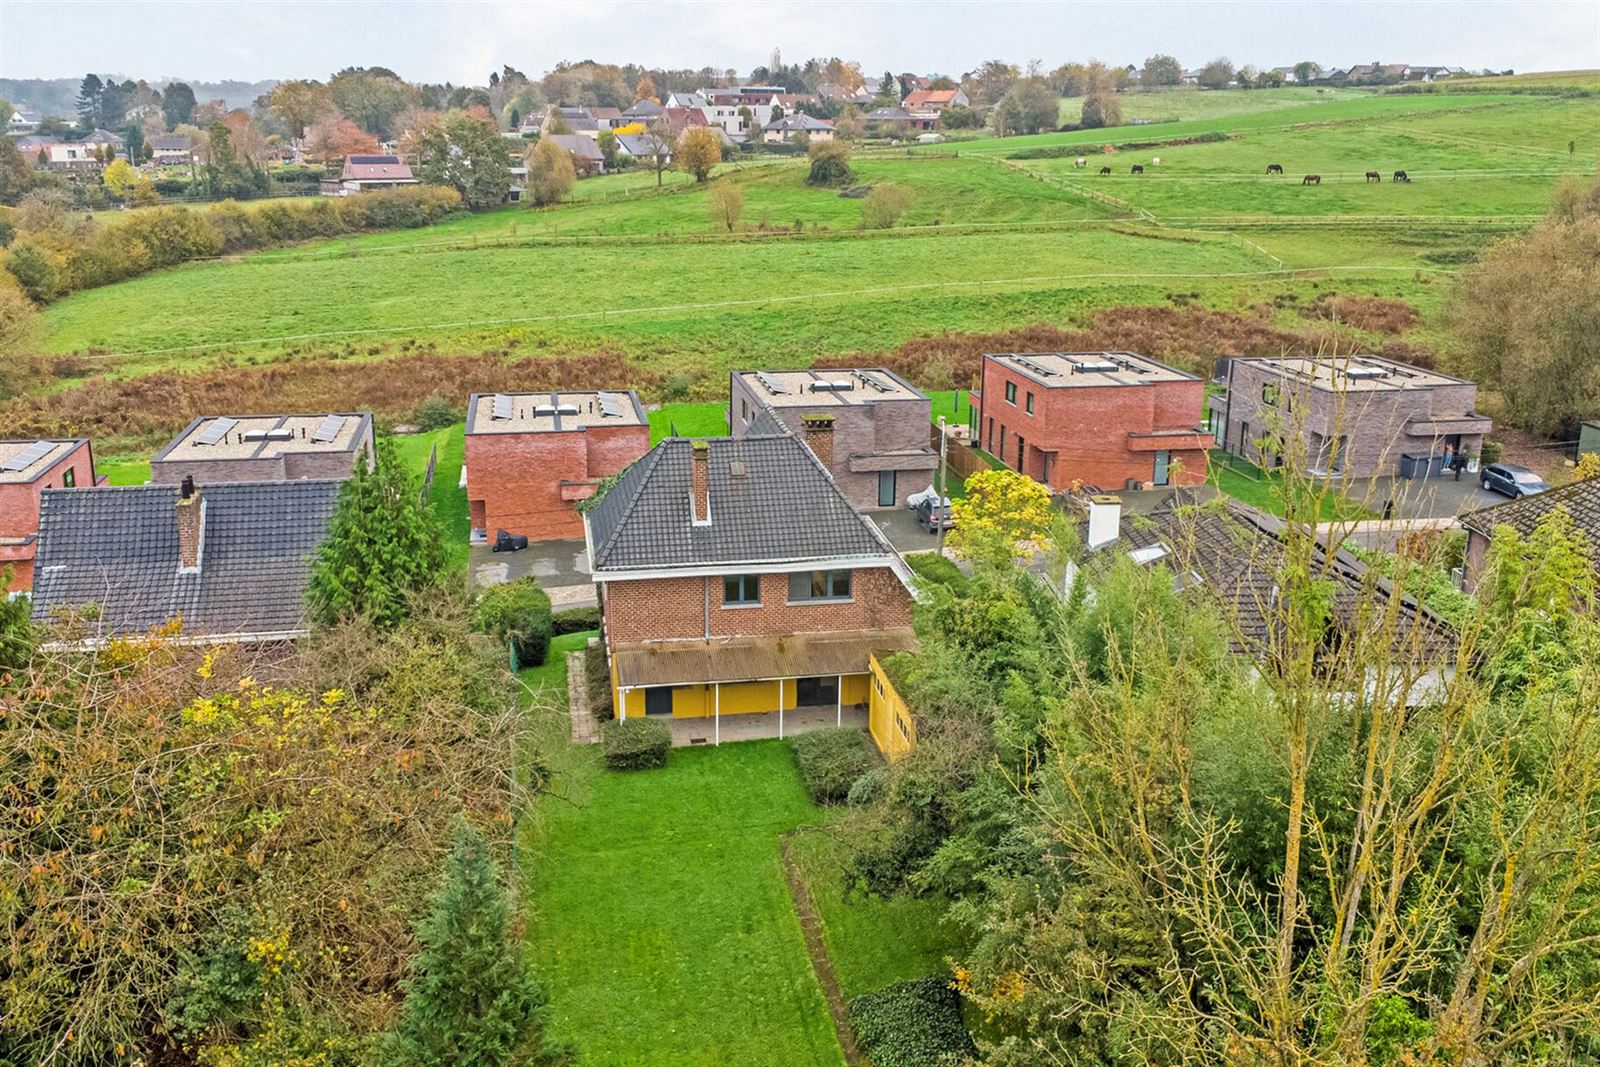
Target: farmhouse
x: 531, y: 457
x: 171, y: 148
x: 924, y: 101
x: 736, y: 578
x: 1358, y: 416
x: 868, y: 427
x: 27, y: 469
x: 227, y: 562
x: 1106, y: 419
x: 1580, y: 499
x: 363, y: 174
x: 266, y: 448
x: 791, y: 126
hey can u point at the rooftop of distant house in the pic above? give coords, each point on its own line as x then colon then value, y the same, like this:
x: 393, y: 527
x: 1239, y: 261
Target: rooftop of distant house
x: 26, y: 461
x: 1581, y: 500
x: 267, y: 436
x: 546, y: 412
x: 1063, y: 370
x: 828, y: 388
x: 799, y: 121
x: 376, y: 168
x: 1364, y: 373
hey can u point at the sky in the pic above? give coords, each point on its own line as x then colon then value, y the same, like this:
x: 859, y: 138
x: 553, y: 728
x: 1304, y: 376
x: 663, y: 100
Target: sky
x: 461, y: 42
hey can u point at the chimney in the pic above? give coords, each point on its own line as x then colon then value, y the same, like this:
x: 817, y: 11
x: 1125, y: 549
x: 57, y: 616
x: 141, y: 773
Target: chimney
x: 819, y: 436
x: 191, y: 525
x: 1105, y: 520
x: 700, y: 484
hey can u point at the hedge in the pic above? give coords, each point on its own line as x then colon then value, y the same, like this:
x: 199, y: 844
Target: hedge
x: 912, y: 1024
x: 597, y: 680
x: 635, y: 744
x: 577, y: 620
x: 518, y: 612
x: 831, y: 760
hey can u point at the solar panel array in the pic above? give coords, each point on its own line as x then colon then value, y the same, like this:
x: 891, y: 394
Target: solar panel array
x: 771, y: 386
x: 328, y: 430
x: 1037, y: 368
x: 216, y: 432
x: 873, y: 381
x: 28, y: 456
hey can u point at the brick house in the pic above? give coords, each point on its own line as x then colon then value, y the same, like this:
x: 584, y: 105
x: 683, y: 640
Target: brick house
x: 530, y: 457
x: 1358, y: 416
x: 878, y: 450
x: 1103, y: 419
x: 735, y: 577
x: 27, y: 469
x: 266, y: 448
x: 1581, y: 499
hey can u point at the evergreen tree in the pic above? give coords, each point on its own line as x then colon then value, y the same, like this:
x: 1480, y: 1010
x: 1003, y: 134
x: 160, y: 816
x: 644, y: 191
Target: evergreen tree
x: 90, y: 91
x: 383, y: 543
x: 177, y: 104
x: 471, y: 1002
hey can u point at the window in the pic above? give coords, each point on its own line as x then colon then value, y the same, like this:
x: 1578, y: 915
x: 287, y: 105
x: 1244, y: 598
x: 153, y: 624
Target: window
x: 1002, y: 452
x: 819, y: 585
x: 1011, y: 393
x: 1269, y: 394
x: 887, y: 497
x: 69, y: 478
x: 1030, y: 403
x: 739, y: 589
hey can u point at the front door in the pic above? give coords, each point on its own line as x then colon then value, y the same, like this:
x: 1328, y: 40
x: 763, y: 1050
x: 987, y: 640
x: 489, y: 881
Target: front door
x: 816, y: 692
x: 886, y: 493
x: 1160, y: 475
x: 658, y: 700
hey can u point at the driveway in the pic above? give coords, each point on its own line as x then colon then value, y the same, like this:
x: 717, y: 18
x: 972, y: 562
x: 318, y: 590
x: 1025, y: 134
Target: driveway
x: 900, y: 526
x: 561, y: 568
x: 1431, y: 498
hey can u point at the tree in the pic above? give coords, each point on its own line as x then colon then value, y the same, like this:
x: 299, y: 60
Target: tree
x: 90, y: 93
x: 6, y: 111
x: 1030, y: 105
x: 471, y: 999
x: 333, y: 138
x: 645, y: 89
x: 1101, y: 109
x: 1001, y: 508
x: 1160, y: 70
x: 1269, y: 79
x: 119, y: 177
x: 551, y: 174
x: 726, y: 202
x: 16, y: 177
x: 372, y: 97
x: 469, y: 156
x: 659, y: 141
x: 1246, y: 76
x: 1217, y: 73
x: 699, y: 149
x: 830, y: 164
x: 990, y: 81
x: 177, y: 104
x: 383, y: 544
x: 19, y: 333
x: 889, y: 88
x: 607, y: 142
x: 1305, y: 72
x: 133, y: 138
x: 884, y: 205
x: 300, y: 104
x: 16, y: 632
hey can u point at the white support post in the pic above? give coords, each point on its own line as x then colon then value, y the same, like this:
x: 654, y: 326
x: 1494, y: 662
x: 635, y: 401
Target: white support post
x: 780, y: 709
x: 717, y: 710
x: 622, y: 702
x: 839, y: 703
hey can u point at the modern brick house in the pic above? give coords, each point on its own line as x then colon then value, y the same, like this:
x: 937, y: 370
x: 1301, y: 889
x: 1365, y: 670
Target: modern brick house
x: 1581, y: 499
x: 530, y: 457
x: 735, y: 578
x: 27, y: 469
x: 266, y: 448
x: 1359, y: 416
x: 878, y: 451
x: 1102, y: 419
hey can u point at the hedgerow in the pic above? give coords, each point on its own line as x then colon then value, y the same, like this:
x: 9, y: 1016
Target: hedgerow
x: 831, y: 760
x: 912, y: 1024
x: 635, y: 744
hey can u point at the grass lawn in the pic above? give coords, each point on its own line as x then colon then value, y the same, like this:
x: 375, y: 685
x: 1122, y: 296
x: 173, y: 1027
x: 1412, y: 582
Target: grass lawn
x: 1230, y: 475
x: 708, y: 419
x: 549, y: 679
x: 449, y: 500
x: 123, y: 470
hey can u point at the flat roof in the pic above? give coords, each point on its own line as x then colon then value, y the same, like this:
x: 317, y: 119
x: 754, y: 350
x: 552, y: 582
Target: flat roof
x: 27, y: 460
x: 550, y: 412
x: 222, y: 437
x: 1364, y: 372
x: 1076, y: 370
x: 838, y: 387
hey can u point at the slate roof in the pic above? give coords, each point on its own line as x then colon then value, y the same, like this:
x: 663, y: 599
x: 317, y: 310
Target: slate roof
x: 579, y: 144
x: 117, y: 548
x: 800, y: 121
x: 643, y: 109
x: 785, y: 507
x: 1581, y: 499
x: 642, y: 144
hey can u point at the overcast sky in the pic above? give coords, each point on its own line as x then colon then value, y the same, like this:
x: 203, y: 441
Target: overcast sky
x: 429, y: 40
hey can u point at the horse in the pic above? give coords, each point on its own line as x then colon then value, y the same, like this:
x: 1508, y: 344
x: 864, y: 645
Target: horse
x: 1105, y: 170
x: 1080, y: 163
x: 1402, y: 176
x: 1274, y: 168
x: 1374, y: 176
x: 1138, y: 168
x: 1311, y: 179
x: 1156, y: 162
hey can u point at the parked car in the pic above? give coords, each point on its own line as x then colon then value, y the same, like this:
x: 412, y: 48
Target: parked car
x: 915, y: 500
x: 1508, y: 479
x: 931, y: 516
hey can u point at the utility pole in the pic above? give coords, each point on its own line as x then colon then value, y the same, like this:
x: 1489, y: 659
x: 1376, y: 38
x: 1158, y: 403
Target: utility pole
x: 938, y: 505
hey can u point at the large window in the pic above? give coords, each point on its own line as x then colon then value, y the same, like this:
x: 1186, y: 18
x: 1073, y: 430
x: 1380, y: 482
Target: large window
x: 1011, y: 393
x: 819, y: 585
x: 1030, y: 403
x: 740, y: 589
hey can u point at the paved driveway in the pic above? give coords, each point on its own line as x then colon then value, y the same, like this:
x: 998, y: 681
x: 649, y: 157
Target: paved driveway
x: 561, y: 568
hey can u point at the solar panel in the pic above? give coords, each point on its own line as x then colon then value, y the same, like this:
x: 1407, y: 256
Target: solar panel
x: 502, y: 406
x: 1037, y: 368
x: 28, y: 456
x: 609, y: 408
x: 772, y: 387
x: 873, y: 381
x: 219, y: 429
x: 329, y: 430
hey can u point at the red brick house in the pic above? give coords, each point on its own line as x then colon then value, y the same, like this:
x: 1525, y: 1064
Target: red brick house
x: 735, y: 577
x: 1102, y: 419
x: 530, y: 457
x: 27, y: 469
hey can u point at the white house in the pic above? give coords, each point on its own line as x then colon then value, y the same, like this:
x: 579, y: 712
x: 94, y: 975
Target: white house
x: 788, y: 127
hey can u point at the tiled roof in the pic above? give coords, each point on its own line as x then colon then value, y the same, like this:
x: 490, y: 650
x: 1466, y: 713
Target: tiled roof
x: 1581, y: 499
x: 117, y: 548
x: 785, y: 506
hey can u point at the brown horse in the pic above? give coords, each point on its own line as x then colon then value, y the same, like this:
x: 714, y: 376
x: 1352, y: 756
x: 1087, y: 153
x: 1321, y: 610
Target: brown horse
x: 1138, y: 168
x: 1274, y: 168
x: 1105, y: 170
x: 1311, y: 179
x: 1402, y: 176
x: 1374, y: 176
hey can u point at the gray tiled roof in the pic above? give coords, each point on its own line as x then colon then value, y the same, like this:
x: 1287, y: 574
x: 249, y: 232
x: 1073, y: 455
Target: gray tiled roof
x: 784, y: 507
x: 1581, y: 499
x: 117, y: 548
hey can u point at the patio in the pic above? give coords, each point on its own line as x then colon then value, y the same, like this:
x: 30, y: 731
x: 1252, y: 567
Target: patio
x: 758, y: 726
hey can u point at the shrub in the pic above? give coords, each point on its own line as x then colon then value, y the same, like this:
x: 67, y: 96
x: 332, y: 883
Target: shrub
x: 830, y: 164
x: 597, y: 681
x: 577, y: 620
x: 436, y: 412
x: 1491, y: 452
x: 912, y: 1024
x: 635, y: 744
x: 882, y: 864
x: 932, y: 567
x: 518, y: 612
x: 831, y: 760
x: 869, y: 788
x: 884, y: 206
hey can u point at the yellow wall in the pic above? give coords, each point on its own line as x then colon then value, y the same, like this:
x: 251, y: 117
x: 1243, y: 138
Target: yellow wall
x: 888, y: 718
x: 738, y: 698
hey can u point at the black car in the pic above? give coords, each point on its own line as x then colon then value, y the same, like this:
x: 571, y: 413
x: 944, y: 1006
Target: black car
x: 1508, y: 479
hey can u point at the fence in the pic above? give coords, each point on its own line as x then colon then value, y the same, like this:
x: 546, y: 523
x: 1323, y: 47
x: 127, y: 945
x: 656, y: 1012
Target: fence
x: 961, y: 459
x: 427, y: 475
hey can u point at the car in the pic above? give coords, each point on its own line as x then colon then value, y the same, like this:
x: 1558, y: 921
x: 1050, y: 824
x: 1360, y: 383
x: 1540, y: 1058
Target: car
x: 1508, y: 479
x: 931, y: 516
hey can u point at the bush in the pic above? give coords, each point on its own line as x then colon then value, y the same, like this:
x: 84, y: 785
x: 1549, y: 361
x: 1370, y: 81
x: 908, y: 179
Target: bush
x: 635, y: 744
x: 934, y: 568
x: 597, y: 680
x: 882, y: 864
x: 830, y: 164
x: 884, y: 206
x: 912, y: 1024
x: 869, y: 788
x: 831, y: 760
x: 1490, y: 454
x: 577, y: 620
x: 519, y: 612
x: 436, y: 412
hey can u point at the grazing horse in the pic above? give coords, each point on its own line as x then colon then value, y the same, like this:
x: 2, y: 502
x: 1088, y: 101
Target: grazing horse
x: 1274, y: 168
x: 1311, y: 179
x: 1105, y: 170
x: 1080, y: 162
x: 1402, y: 176
x: 1138, y: 168
x: 1156, y: 162
x: 1374, y: 176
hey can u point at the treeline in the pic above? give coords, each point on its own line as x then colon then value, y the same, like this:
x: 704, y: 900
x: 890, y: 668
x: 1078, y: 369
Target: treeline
x: 55, y: 252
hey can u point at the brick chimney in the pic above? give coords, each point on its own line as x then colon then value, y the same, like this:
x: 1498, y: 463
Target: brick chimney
x: 700, y: 483
x: 191, y: 525
x: 819, y: 436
